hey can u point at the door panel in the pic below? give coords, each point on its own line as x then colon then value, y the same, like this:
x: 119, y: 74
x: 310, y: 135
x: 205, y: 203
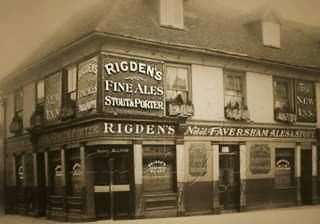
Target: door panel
x: 229, y: 179
x: 102, y: 186
x: 306, y: 176
x: 112, y: 183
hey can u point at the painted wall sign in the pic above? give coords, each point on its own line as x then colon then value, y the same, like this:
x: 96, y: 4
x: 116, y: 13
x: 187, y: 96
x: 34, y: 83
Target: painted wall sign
x: 53, y: 89
x: 133, y: 86
x: 217, y: 131
x: 198, y: 160
x: 260, y: 159
x: 76, y: 169
x: 305, y: 101
x: 71, y: 134
x: 58, y: 172
x: 21, y: 172
x: 107, y: 129
x: 87, y: 85
x: 139, y: 129
x: 157, y: 168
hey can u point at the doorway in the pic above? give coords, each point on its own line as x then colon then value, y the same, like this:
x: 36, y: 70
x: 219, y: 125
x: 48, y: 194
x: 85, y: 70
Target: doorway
x: 111, y: 169
x: 229, y: 177
x: 306, y: 176
x: 41, y: 191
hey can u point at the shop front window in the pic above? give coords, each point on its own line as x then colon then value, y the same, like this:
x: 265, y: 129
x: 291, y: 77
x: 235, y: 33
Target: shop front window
x: 20, y: 175
x: 74, y: 172
x: 284, y: 168
x: 56, y: 173
x: 159, y: 169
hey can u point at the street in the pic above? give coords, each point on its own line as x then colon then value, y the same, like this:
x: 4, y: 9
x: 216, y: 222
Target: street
x: 295, y: 215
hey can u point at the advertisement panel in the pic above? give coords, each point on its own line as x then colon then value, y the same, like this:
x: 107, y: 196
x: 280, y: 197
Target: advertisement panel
x: 133, y: 86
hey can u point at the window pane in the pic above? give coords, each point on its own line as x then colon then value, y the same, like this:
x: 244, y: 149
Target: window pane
x: 40, y: 91
x: 72, y: 79
x: 19, y: 101
x: 177, y: 83
x: 234, y: 91
x: 234, y: 83
x: 159, y: 168
x: 282, y: 95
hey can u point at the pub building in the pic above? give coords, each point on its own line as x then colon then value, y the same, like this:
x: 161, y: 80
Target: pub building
x: 137, y: 109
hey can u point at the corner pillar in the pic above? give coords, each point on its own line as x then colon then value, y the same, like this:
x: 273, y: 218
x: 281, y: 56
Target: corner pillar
x: 298, y: 173
x: 138, y: 178
x: 243, y: 176
x: 216, y: 194
x: 314, y: 174
x: 180, y: 176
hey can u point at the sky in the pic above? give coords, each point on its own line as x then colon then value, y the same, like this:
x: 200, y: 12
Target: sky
x: 25, y: 24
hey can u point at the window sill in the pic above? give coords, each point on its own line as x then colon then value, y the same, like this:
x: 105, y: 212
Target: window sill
x: 173, y: 27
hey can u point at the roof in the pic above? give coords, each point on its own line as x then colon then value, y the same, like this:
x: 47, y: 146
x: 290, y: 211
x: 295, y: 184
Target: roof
x: 208, y: 25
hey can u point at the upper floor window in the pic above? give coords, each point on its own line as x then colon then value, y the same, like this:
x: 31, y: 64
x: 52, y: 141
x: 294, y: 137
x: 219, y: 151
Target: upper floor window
x: 283, y: 95
x: 72, y: 82
x: 235, y: 95
x: 69, y: 92
x: 18, y: 103
x: 177, y: 84
x: 305, y: 101
x: 40, y: 93
x: 271, y: 34
x: 294, y: 100
x: 171, y: 13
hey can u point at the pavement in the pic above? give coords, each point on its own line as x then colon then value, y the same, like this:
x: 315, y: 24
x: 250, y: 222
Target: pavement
x: 295, y: 215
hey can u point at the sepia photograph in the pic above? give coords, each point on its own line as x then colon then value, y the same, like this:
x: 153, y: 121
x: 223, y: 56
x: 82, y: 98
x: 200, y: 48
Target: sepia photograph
x: 160, y: 111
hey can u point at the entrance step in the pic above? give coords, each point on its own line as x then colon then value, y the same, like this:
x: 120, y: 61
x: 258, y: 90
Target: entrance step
x: 160, y: 204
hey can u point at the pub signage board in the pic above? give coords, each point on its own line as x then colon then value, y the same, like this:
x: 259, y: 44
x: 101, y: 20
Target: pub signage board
x: 260, y: 159
x: 219, y: 131
x: 198, y: 160
x: 53, y: 90
x: 110, y: 128
x: 133, y: 86
x: 305, y: 101
x: 87, y: 85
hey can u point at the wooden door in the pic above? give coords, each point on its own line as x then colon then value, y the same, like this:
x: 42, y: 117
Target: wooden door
x: 229, y: 178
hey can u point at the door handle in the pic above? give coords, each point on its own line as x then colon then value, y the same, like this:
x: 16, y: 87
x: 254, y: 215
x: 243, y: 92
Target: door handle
x: 223, y: 188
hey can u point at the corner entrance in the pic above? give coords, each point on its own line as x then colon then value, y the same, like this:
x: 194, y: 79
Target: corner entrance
x: 229, y: 177
x: 110, y: 169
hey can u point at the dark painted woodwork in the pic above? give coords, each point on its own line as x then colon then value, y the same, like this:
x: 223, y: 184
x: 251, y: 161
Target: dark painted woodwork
x: 198, y: 196
x: 306, y: 176
x: 229, y: 177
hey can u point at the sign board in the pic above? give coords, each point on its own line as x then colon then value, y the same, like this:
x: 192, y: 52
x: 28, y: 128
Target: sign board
x: 87, y: 85
x: 305, y: 101
x: 133, y: 86
x: 198, y: 160
x: 258, y: 132
x: 260, y: 159
x: 111, y: 128
x: 53, y: 90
